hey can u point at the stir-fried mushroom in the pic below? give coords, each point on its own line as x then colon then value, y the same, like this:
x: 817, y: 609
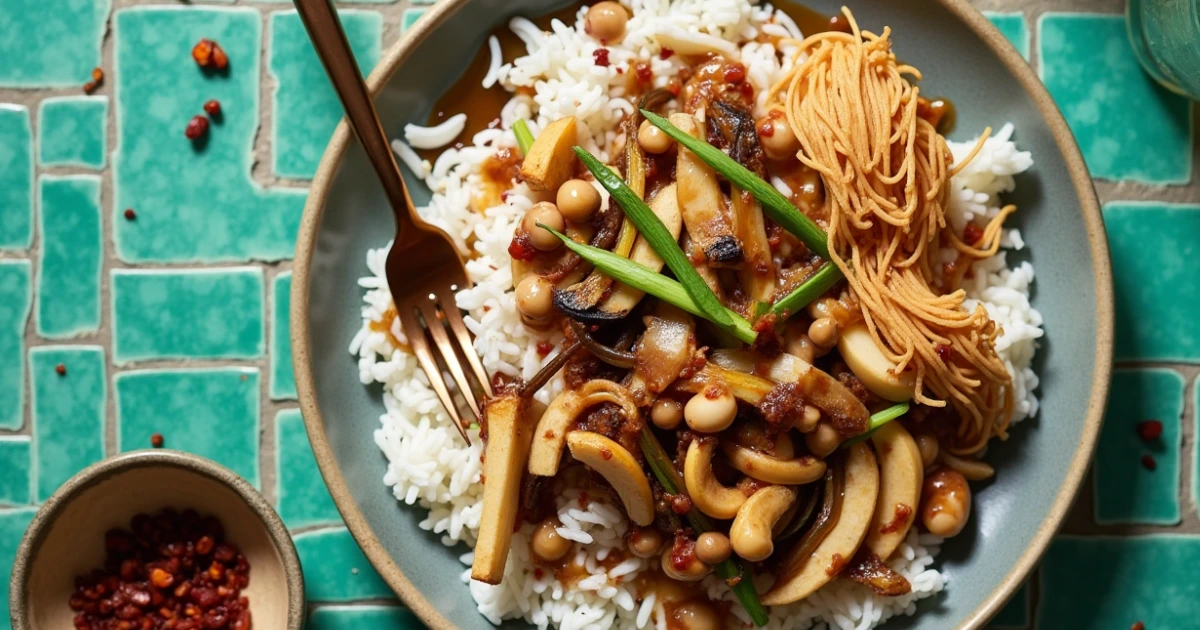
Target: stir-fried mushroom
x: 703, y: 206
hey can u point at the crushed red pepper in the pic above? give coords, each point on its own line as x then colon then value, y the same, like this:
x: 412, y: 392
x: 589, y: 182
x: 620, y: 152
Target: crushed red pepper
x: 209, y: 55
x: 600, y: 55
x: 156, y: 440
x: 212, y: 107
x: 1148, y: 462
x: 173, y: 570
x: 130, y: 214
x: 97, y: 79
x: 61, y: 369
x: 1150, y: 430
x: 197, y: 128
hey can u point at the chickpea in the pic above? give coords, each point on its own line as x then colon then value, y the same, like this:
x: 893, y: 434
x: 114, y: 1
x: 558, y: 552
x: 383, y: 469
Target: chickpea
x: 713, y: 548
x: 823, y: 440
x: 694, y: 572
x: 652, y: 139
x: 535, y: 297
x: 547, y: 543
x: 802, y: 347
x: 577, y: 200
x: 945, y: 502
x: 809, y: 419
x: 710, y: 415
x: 606, y: 21
x: 547, y: 214
x: 928, y: 445
x: 824, y: 332
x: 666, y: 413
x: 696, y: 615
x: 778, y: 139
x: 645, y: 542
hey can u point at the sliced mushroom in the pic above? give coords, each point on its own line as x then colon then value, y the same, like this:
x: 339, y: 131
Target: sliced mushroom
x: 863, y: 356
x: 706, y: 492
x: 665, y: 206
x: 507, y: 443
x: 665, y: 349
x: 801, y: 574
x: 618, y: 466
x: 551, y: 433
x: 701, y: 202
x: 763, y: 467
x: 751, y: 532
x: 900, y: 477
x: 550, y: 160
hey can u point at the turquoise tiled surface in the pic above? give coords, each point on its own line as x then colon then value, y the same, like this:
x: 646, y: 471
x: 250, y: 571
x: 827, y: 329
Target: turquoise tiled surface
x: 16, y: 462
x: 306, y: 109
x: 209, y: 412
x: 302, y: 499
x: 197, y: 209
x: 335, y: 569
x: 16, y: 177
x: 68, y: 412
x: 68, y: 288
x: 1126, y: 492
x: 50, y: 43
x: 72, y: 131
x: 15, y: 297
x: 1100, y: 583
x: 1127, y: 126
x: 212, y: 313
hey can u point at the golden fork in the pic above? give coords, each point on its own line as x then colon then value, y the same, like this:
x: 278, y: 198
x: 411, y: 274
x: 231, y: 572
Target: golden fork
x: 424, y: 269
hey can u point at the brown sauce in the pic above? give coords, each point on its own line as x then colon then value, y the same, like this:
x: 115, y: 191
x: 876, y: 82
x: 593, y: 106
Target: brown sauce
x: 811, y: 21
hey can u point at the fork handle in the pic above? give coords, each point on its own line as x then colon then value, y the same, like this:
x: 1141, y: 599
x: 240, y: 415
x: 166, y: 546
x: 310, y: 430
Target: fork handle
x: 329, y: 39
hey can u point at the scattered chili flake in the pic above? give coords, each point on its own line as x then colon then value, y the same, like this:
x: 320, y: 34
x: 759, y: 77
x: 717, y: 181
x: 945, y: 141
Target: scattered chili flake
x: 197, y: 128
x: 642, y: 70
x: 544, y: 347
x: 665, y: 53
x: 97, y: 75
x: 213, y: 107
x: 156, y: 440
x: 601, y: 56
x: 97, y: 79
x: 680, y: 503
x: 89, y: 87
x: 61, y: 369
x: 944, y: 352
x: 584, y: 500
x: 972, y: 234
x: 1137, y: 625
x: 209, y: 54
x: 606, y: 454
x: 521, y: 248
x: 1150, y: 430
x: 735, y: 73
x: 1148, y: 462
x: 130, y: 214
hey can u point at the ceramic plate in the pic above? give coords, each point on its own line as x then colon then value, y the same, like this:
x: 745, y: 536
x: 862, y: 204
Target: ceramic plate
x: 962, y: 57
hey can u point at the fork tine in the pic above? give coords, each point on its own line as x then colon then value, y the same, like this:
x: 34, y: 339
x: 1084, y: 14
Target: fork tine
x: 437, y: 330
x: 420, y: 346
x: 456, y: 323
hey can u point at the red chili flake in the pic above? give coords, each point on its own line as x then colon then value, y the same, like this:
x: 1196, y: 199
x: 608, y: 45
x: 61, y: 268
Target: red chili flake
x: 767, y: 129
x: 97, y: 75
x: 208, y: 54
x: 620, y: 70
x: 1150, y: 430
x: 972, y: 233
x: 601, y: 56
x: 680, y: 504
x: 521, y: 248
x: 665, y: 53
x: 544, y: 347
x: 584, y: 500
x: 156, y: 440
x: 89, y: 87
x: 1137, y: 625
x: 130, y: 214
x: 944, y: 352
x: 197, y: 128
x: 538, y: 573
x: 61, y: 369
x: 642, y: 70
x: 213, y: 107
x: 1148, y: 462
x: 735, y: 73
x: 606, y: 454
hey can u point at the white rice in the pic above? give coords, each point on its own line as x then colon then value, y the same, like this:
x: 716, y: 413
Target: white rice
x: 428, y: 465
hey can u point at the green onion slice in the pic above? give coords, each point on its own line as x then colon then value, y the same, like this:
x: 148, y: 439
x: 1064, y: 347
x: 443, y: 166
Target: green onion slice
x: 879, y: 419
x: 812, y: 288
x: 524, y: 137
x: 656, y: 234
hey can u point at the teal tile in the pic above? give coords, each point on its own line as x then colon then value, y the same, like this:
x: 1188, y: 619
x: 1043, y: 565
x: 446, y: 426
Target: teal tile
x: 1127, y: 126
x: 68, y: 412
x: 306, y: 108
x: 210, y: 412
x: 16, y: 176
x: 13, y: 524
x: 193, y: 202
x: 72, y: 131
x: 1015, y: 613
x: 283, y: 382
x: 50, y: 43
x: 1126, y: 491
x: 1012, y: 26
x: 1154, y: 254
x: 303, y: 499
x: 68, y: 291
x: 409, y: 18
x: 1106, y: 583
x: 194, y: 314
x: 16, y: 462
x: 1195, y: 450
x: 15, y: 299
x: 362, y: 617
x: 335, y: 569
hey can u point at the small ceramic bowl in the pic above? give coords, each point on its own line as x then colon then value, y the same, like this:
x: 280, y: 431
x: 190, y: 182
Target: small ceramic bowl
x: 66, y: 537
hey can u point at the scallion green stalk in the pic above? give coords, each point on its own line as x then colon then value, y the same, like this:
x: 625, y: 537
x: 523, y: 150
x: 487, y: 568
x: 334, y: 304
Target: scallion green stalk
x: 877, y: 420
x: 652, y: 229
x: 644, y: 279
x: 524, y: 137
